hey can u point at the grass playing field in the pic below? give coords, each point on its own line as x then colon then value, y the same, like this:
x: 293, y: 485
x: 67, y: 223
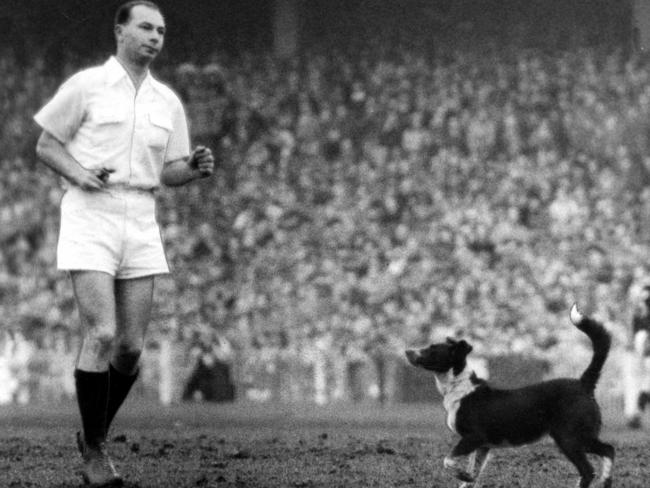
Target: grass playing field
x: 303, y: 446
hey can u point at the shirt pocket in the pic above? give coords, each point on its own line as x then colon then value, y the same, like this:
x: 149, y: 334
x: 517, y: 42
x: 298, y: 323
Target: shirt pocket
x: 108, y: 124
x: 160, y: 128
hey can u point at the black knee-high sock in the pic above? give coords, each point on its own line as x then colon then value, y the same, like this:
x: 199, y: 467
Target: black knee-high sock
x: 119, y: 385
x: 92, y: 397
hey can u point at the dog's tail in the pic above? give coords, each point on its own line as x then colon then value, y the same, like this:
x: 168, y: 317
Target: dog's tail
x: 601, y: 340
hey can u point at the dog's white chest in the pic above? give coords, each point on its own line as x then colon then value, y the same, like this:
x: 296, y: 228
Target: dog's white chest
x: 451, y: 407
x: 453, y: 389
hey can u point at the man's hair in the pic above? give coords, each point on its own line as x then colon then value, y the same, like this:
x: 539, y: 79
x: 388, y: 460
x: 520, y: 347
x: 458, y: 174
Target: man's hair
x: 123, y: 13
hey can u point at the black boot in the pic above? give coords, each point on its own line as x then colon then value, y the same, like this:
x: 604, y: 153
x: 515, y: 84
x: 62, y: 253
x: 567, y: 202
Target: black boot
x: 92, y: 397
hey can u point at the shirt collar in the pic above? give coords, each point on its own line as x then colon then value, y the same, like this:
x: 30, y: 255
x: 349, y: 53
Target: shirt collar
x: 116, y: 72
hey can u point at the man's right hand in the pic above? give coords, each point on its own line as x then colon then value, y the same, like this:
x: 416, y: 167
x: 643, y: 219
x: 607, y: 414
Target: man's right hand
x: 54, y: 154
x: 92, y: 180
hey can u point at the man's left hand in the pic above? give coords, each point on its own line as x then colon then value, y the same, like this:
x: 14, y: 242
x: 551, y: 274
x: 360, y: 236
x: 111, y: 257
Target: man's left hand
x: 202, y: 160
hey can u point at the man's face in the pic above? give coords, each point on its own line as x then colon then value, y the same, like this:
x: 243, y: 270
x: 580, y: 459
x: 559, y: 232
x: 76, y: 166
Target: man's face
x: 142, y: 37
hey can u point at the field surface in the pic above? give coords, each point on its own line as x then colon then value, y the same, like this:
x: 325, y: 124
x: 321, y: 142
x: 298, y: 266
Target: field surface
x: 299, y: 446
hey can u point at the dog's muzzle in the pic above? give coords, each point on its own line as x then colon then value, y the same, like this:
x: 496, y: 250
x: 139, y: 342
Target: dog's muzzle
x: 412, y: 356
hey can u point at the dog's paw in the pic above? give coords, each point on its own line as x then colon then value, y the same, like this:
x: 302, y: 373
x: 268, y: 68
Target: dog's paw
x: 451, y: 464
x: 464, y: 476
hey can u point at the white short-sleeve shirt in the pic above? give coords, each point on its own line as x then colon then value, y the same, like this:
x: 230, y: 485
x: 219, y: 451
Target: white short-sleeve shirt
x: 104, y: 123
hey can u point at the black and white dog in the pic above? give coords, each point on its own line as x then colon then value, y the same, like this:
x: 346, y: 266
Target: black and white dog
x: 486, y: 417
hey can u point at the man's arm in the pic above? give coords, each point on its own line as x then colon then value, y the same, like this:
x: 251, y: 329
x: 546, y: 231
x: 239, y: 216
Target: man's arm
x: 54, y: 154
x: 200, y: 164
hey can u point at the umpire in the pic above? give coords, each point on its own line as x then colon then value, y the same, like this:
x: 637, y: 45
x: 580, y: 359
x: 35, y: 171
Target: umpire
x: 637, y: 358
x: 115, y: 134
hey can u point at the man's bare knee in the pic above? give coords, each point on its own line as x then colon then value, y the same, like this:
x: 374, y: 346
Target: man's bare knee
x: 96, y: 350
x: 126, y: 356
x: 103, y: 336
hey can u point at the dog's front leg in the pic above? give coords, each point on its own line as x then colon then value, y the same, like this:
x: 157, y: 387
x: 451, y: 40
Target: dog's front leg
x: 477, y: 462
x: 452, y: 462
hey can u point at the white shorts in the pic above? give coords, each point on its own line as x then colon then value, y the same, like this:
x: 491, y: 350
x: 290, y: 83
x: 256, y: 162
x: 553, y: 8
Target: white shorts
x: 114, y: 231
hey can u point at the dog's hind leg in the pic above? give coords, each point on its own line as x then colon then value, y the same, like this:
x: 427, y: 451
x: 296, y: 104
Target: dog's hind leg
x: 477, y: 462
x: 574, y: 450
x: 606, y: 453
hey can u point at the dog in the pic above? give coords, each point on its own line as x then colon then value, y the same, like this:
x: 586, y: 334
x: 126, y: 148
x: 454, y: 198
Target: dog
x: 486, y: 417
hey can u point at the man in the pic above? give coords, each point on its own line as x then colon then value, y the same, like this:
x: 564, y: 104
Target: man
x: 636, y: 372
x: 115, y: 134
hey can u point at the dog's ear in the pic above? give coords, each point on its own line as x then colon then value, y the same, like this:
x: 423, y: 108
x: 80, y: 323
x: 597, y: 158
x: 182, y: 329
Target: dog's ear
x: 451, y: 341
x: 463, y: 347
x: 460, y: 351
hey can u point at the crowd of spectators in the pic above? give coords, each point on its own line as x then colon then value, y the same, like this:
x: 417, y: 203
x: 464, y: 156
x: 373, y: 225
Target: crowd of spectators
x: 372, y: 196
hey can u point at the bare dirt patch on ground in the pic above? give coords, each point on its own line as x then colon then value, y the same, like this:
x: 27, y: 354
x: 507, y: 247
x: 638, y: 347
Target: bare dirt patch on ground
x: 254, y: 445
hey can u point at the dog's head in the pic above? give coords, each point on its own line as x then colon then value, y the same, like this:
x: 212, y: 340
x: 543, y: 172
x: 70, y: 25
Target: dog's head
x: 441, y: 357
